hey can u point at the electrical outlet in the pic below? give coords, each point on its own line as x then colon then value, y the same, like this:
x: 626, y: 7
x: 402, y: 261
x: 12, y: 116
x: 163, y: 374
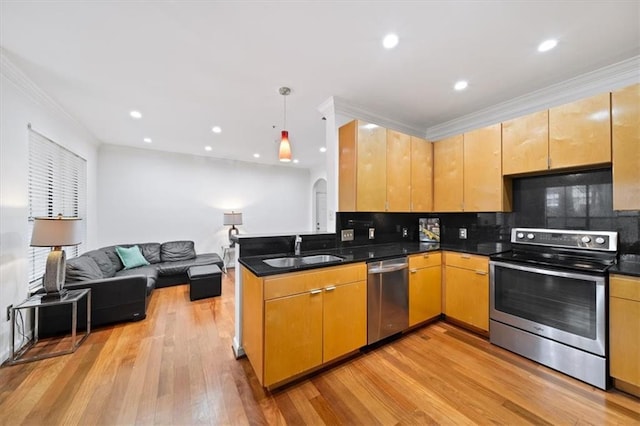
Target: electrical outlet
x: 405, y: 232
x: 462, y: 233
x: 372, y: 233
x: 346, y: 235
x: 9, y: 312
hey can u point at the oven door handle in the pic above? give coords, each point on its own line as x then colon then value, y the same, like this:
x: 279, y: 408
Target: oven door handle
x: 599, y: 279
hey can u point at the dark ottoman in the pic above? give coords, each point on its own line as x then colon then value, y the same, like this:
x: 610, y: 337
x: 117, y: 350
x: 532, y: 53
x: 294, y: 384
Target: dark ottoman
x: 204, y: 281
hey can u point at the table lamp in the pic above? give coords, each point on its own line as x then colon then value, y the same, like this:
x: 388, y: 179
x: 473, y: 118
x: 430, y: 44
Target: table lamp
x: 55, y: 232
x: 232, y: 219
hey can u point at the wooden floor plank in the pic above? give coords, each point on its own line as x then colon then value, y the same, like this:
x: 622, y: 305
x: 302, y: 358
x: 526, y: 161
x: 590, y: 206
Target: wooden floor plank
x: 177, y: 367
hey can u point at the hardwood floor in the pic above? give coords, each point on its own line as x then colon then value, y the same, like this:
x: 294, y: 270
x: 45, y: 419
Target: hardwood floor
x: 177, y: 367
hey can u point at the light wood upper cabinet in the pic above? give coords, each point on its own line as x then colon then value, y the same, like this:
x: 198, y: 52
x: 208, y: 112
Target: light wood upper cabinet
x: 624, y: 329
x: 398, y: 161
x: 525, y: 144
x: 625, y: 120
x: 448, y: 174
x: 379, y: 168
x: 485, y: 189
x: 421, y: 175
x: 580, y: 133
x: 371, y: 168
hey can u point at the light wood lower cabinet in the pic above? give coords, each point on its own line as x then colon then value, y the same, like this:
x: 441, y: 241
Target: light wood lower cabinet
x: 624, y: 332
x: 425, y: 287
x: 466, y: 288
x: 296, y: 322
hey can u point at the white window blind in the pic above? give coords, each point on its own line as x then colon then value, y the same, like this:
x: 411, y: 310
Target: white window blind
x: 57, y: 184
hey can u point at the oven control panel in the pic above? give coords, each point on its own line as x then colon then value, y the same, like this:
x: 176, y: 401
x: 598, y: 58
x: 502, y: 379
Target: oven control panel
x: 590, y: 240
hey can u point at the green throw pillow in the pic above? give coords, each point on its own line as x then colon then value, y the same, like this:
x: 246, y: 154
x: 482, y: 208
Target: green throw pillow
x: 131, y: 257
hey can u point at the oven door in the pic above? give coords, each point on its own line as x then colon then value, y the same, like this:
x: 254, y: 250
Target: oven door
x: 563, y: 306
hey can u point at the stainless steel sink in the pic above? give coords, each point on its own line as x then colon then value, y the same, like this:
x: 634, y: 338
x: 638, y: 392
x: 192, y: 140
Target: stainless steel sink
x: 291, y: 261
x: 321, y: 258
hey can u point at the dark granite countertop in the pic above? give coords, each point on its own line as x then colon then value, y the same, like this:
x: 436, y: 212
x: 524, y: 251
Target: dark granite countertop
x: 628, y: 264
x: 373, y: 252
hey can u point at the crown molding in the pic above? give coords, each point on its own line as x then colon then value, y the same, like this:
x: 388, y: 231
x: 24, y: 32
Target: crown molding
x: 343, y: 107
x: 621, y: 74
x: 16, y: 76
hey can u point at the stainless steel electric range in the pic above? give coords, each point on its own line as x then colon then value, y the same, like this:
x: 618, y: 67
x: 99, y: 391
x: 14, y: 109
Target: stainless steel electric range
x: 548, y: 299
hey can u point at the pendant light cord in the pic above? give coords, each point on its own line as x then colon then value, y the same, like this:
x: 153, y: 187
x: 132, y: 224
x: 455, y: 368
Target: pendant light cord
x: 285, y: 113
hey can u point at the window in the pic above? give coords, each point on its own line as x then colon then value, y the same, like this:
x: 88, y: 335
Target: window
x: 57, y: 184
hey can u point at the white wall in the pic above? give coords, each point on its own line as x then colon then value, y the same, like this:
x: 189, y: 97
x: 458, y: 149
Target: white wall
x: 21, y: 102
x: 147, y: 195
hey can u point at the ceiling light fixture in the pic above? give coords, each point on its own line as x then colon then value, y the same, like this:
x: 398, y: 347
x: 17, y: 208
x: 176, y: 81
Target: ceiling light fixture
x: 296, y: 161
x: 390, y: 41
x: 284, y: 152
x: 136, y: 114
x: 323, y: 149
x: 461, y: 85
x: 207, y: 148
x: 256, y: 155
x: 547, y: 45
x: 216, y: 129
x: 147, y: 140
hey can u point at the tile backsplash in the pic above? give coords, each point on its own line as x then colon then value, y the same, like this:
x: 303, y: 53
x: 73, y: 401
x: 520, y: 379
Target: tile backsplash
x: 564, y: 201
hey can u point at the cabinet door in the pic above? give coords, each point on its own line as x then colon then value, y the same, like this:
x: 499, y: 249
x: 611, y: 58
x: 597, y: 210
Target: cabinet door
x: 525, y: 144
x: 421, y: 175
x: 624, y: 328
x: 371, y: 176
x: 347, y: 136
x: 625, y: 107
x: 398, y: 172
x: 447, y: 174
x: 580, y: 133
x: 293, y: 336
x: 425, y: 294
x: 345, y: 319
x: 484, y: 189
x: 467, y: 296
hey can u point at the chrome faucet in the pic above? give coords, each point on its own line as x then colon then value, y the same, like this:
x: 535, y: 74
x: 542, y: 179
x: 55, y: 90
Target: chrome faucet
x: 297, y: 245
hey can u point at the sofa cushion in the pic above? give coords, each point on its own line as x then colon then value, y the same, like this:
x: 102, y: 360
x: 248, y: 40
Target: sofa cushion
x: 131, y: 257
x: 103, y: 261
x: 115, y: 259
x: 182, y: 266
x: 82, y: 268
x: 149, y: 271
x: 150, y: 251
x: 174, y: 251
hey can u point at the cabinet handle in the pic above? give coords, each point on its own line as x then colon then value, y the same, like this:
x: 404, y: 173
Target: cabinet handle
x: 413, y: 271
x: 481, y: 273
x: 330, y: 288
x: 426, y: 256
x: 317, y: 291
x: 465, y: 256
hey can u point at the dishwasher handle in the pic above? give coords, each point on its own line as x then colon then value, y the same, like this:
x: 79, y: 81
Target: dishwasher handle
x: 381, y: 268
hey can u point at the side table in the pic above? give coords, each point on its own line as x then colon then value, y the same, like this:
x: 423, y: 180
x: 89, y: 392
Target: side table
x: 227, y: 253
x: 37, y: 302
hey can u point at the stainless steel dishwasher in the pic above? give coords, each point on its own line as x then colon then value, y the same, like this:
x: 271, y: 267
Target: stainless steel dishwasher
x: 387, y: 298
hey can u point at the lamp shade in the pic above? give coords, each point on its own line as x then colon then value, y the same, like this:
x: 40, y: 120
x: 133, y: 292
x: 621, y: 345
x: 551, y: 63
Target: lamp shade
x: 232, y: 218
x: 284, y: 153
x: 56, y: 232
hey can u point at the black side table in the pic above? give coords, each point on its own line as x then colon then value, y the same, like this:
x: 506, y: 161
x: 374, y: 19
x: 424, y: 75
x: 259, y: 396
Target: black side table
x: 36, y: 302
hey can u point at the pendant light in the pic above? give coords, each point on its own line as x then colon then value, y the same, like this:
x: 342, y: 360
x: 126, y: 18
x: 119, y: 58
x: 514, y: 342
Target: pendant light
x: 284, y: 153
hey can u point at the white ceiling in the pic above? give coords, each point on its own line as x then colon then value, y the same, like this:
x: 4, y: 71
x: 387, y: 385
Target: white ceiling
x: 190, y: 65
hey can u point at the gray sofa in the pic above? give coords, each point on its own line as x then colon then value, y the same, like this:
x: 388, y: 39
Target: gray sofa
x: 120, y: 294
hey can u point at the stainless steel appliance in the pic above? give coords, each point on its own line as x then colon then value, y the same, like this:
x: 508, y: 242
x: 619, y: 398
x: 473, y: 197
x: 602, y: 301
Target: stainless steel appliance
x: 387, y: 298
x: 548, y: 299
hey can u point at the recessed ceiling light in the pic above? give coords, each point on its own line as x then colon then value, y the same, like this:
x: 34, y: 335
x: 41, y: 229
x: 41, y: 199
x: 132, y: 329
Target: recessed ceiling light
x: 207, y: 148
x: 390, y: 41
x: 256, y: 155
x: 547, y: 45
x: 323, y: 149
x: 370, y: 126
x: 135, y: 114
x: 216, y: 129
x: 296, y: 161
x: 147, y: 140
x: 461, y: 85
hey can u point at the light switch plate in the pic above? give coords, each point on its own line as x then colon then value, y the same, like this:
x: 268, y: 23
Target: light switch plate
x: 346, y: 235
x: 405, y: 232
x: 372, y: 233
